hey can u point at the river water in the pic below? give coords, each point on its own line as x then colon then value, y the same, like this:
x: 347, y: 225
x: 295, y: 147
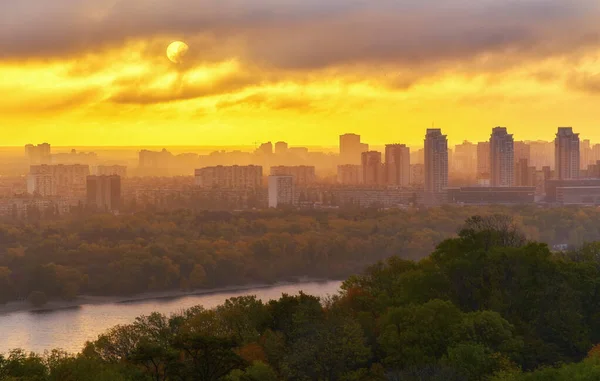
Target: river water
x: 69, y: 329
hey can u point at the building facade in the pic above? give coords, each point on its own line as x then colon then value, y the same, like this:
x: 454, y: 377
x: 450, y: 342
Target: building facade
x: 465, y: 158
x: 483, y: 159
x: 372, y: 168
x: 436, y: 166
x: 303, y: 174
x: 58, y: 180
x: 351, y: 149
x: 104, y: 193
x: 566, y: 154
x: 349, y: 174
x: 281, y: 191
x: 397, y: 165
x: 232, y: 177
x: 39, y: 154
x: 112, y: 170
x: 502, y: 161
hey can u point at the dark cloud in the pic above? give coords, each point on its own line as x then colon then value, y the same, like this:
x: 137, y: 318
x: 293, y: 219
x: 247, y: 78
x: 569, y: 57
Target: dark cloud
x: 306, y: 34
x: 136, y: 92
x: 56, y: 103
x: 586, y: 82
x: 272, y: 101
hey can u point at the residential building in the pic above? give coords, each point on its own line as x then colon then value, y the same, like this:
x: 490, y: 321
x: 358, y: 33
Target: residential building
x: 110, y: 170
x: 351, y: 149
x: 155, y: 163
x: 483, y: 159
x: 492, y: 195
x: 236, y: 177
x: 502, y: 162
x: 58, y: 180
x: 522, y: 150
x: 349, y: 174
x: 104, y: 193
x: 436, y: 166
x: 397, y: 165
x: 281, y: 148
x: 465, y: 158
x: 525, y: 175
x: 39, y: 154
x: 281, y: 191
x: 265, y: 149
x: 566, y: 154
x: 303, y: 174
x: 372, y: 168
x: 417, y: 175
x: 542, y: 154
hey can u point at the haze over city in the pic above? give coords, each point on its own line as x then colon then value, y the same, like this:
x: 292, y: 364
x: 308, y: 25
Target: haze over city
x: 294, y: 190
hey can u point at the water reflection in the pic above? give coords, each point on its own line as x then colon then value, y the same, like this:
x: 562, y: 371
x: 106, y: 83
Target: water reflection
x: 70, y: 328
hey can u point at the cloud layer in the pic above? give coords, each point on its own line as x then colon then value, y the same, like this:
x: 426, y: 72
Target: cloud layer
x: 305, y: 34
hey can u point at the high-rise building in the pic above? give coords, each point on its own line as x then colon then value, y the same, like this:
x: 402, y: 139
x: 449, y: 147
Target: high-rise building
x: 281, y: 148
x: 372, y: 168
x: 465, y: 158
x: 502, y: 162
x: 281, y: 191
x: 522, y: 150
x: 229, y: 177
x: 417, y: 156
x: 104, y: 193
x: 397, y: 164
x: 155, y: 163
x: 265, y: 149
x: 349, y: 174
x: 595, y: 153
x: 436, y: 166
x: 417, y: 175
x: 483, y: 159
x: 40, y: 181
x: 351, y: 149
x: 302, y: 174
x: 542, y: 154
x: 40, y: 154
x: 586, y: 154
x: 566, y: 154
x: 112, y: 170
x: 58, y: 180
x: 525, y: 176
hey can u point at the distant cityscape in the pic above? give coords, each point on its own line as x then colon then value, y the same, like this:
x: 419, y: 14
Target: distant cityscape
x: 565, y: 171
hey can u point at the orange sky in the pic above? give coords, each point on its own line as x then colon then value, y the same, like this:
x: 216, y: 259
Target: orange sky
x: 94, y: 72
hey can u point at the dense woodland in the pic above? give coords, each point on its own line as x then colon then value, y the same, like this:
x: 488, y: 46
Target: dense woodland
x: 185, y: 250
x: 486, y: 305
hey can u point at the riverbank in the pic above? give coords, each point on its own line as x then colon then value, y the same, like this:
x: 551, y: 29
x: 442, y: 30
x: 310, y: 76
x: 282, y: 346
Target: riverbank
x: 83, y: 300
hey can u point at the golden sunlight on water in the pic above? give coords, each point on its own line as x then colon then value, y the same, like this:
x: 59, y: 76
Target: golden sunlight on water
x: 69, y: 329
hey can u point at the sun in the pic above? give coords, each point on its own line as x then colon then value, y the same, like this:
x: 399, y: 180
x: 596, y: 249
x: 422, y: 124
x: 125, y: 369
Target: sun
x: 177, y: 51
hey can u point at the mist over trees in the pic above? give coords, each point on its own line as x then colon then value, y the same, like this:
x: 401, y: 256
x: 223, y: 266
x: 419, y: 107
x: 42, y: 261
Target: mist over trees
x: 184, y: 250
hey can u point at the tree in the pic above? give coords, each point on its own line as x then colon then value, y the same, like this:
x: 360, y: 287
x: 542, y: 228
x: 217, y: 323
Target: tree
x: 37, y: 298
x: 333, y: 349
x: 258, y: 371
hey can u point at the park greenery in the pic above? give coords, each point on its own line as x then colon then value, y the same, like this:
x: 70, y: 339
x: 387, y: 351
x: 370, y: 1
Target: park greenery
x: 108, y: 255
x: 488, y: 304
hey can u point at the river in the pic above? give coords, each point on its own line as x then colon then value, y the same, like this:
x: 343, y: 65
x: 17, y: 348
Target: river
x: 69, y: 329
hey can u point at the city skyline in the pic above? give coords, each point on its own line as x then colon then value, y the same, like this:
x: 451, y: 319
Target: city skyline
x: 261, y: 69
x: 334, y: 145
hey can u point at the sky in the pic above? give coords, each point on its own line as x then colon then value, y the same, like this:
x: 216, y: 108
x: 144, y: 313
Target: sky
x: 95, y: 72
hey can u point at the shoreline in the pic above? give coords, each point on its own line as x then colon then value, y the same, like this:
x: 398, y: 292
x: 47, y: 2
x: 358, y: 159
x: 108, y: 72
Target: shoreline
x: 86, y: 300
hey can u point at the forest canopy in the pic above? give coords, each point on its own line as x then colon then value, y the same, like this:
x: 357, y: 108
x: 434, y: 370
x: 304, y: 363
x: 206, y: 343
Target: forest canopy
x: 185, y: 250
x: 487, y: 304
